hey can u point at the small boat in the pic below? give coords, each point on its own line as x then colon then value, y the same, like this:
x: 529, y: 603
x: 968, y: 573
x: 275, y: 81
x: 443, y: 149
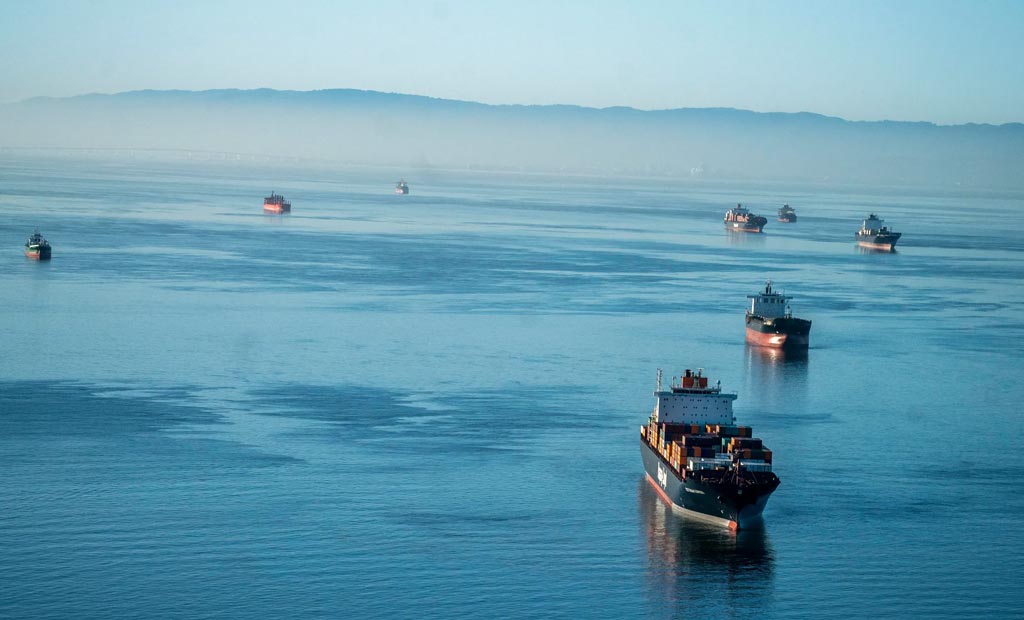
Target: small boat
x: 787, y: 214
x: 873, y: 234
x: 402, y: 188
x: 275, y: 203
x: 37, y: 248
x: 739, y: 219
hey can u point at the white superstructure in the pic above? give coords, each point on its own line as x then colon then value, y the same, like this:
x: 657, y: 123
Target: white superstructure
x: 769, y: 304
x: 691, y: 401
x: 872, y: 225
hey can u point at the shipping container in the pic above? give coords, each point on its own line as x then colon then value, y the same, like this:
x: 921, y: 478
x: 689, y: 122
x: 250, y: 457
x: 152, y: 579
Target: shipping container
x: 764, y: 455
x: 699, y: 440
x: 675, y: 431
x: 730, y: 431
x: 746, y: 442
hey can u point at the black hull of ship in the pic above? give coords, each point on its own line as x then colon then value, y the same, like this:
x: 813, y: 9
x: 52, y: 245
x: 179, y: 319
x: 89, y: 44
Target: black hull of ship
x: 751, y: 227
x: 781, y: 333
x: 885, y: 241
x: 38, y: 253
x: 787, y: 219
x: 712, y: 496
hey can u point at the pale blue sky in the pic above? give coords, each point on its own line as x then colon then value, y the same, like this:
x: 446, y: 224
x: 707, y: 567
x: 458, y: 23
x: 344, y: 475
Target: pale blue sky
x: 940, y: 61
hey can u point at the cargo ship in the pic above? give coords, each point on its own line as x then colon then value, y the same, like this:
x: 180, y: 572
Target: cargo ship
x: 787, y: 214
x: 402, y: 187
x: 699, y: 461
x: 275, y: 203
x: 739, y: 219
x: 873, y: 234
x: 37, y: 248
x: 770, y: 322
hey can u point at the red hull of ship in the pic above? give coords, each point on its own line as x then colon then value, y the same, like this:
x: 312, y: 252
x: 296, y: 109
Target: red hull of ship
x: 276, y: 209
x: 777, y: 341
x: 887, y: 247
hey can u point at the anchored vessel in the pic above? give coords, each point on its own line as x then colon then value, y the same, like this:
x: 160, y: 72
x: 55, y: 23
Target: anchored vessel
x: 275, y: 203
x: 770, y: 322
x: 787, y: 214
x: 741, y: 220
x: 699, y: 461
x: 873, y: 234
x: 402, y: 187
x: 37, y: 248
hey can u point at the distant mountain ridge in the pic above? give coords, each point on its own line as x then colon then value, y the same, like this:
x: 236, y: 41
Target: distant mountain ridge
x: 373, y: 127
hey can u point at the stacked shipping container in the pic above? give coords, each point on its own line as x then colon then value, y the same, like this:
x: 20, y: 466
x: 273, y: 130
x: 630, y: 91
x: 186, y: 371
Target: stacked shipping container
x: 678, y: 442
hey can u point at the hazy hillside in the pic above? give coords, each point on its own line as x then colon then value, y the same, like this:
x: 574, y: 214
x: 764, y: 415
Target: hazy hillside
x: 379, y: 128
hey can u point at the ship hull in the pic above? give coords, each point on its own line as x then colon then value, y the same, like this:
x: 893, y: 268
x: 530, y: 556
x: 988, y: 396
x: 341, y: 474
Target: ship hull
x: 878, y: 242
x: 787, y: 219
x: 42, y: 253
x: 744, y: 227
x: 277, y: 209
x: 781, y: 333
x: 723, y: 504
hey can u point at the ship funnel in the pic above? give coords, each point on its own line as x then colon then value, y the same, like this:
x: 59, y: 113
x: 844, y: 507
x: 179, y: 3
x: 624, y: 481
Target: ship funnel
x: 688, y: 379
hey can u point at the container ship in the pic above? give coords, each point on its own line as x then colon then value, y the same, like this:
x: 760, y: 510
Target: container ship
x: 770, y: 322
x: 402, y: 187
x: 275, y: 203
x: 699, y: 461
x: 37, y: 248
x: 739, y: 219
x: 873, y: 234
x: 787, y: 214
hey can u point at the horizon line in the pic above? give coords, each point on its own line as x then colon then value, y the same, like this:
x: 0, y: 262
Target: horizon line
x: 501, y: 105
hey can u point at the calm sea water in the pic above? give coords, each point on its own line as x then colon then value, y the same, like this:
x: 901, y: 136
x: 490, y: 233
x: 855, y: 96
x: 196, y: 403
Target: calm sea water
x: 428, y: 406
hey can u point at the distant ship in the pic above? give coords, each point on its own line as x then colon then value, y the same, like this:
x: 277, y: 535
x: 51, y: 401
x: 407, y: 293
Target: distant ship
x: 699, y: 461
x: 741, y: 220
x: 275, y: 203
x: 37, y: 248
x: 787, y: 214
x: 402, y: 187
x: 770, y: 323
x: 873, y: 234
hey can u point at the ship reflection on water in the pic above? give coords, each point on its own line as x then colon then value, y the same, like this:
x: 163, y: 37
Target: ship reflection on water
x: 770, y: 357
x: 737, y: 237
x: 690, y: 562
x: 778, y: 376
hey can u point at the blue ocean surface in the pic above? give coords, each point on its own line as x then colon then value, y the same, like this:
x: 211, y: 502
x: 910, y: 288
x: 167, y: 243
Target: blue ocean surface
x: 428, y: 406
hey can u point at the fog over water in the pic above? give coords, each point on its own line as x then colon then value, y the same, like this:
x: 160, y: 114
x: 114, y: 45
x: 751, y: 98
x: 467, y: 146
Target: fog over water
x: 365, y: 127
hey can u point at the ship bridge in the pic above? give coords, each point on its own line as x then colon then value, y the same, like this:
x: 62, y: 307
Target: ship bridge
x: 769, y: 304
x: 692, y: 401
x: 872, y: 223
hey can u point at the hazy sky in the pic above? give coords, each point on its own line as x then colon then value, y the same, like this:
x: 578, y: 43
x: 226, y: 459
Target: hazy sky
x: 947, y: 62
